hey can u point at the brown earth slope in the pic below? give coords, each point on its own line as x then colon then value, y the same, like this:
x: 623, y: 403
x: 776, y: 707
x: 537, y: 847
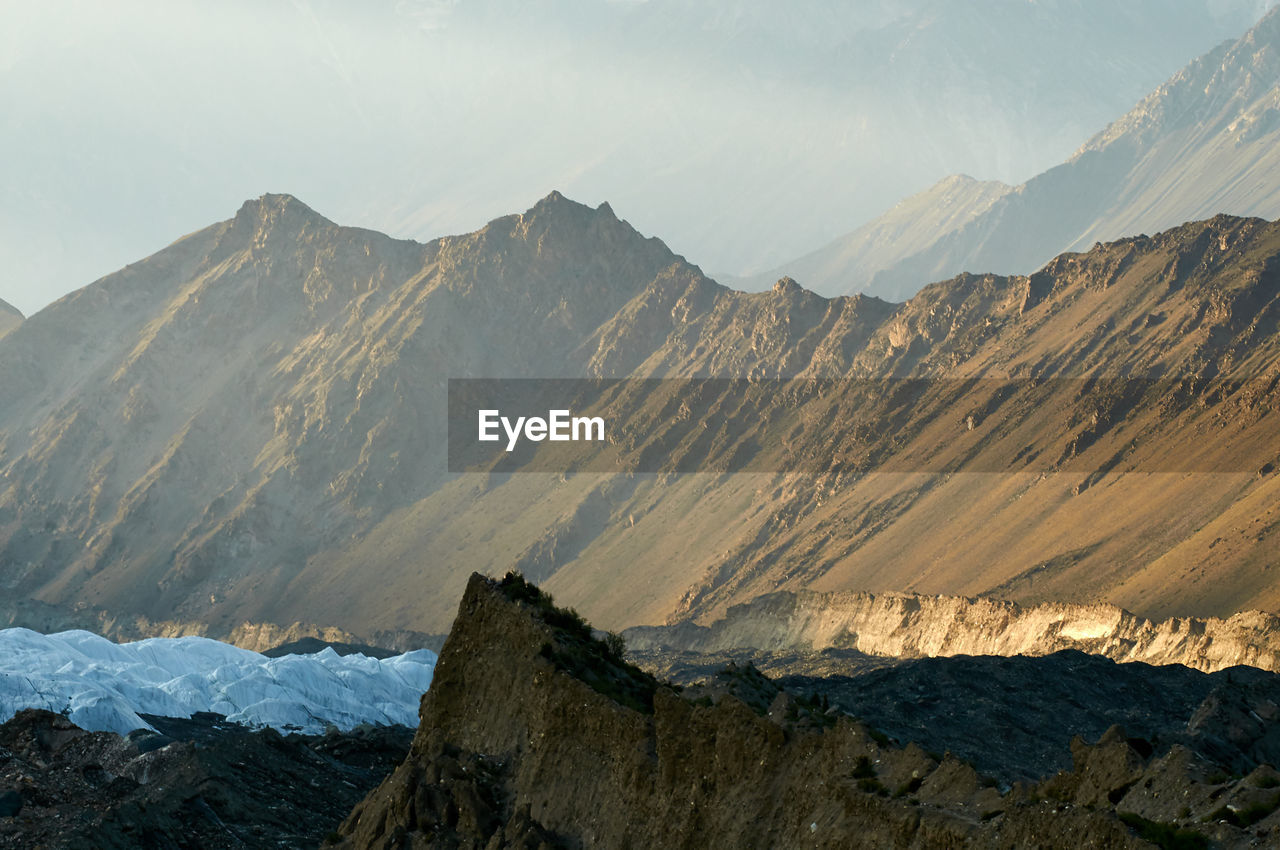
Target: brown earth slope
x: 250, y: 425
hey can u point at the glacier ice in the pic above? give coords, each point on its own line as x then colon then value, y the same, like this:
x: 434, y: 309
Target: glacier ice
x: 104, y: 686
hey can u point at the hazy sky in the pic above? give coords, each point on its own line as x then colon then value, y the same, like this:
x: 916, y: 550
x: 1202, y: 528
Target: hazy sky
x: 742, y: 133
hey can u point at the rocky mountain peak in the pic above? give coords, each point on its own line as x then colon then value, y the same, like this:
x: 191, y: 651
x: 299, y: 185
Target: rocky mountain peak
x: 787, y: 286
x: 572, y: 265
x: 270, y: 222
x: 555, y: 210
x: 554, y: 200
x: 278, y: 209
x: 536, y: 734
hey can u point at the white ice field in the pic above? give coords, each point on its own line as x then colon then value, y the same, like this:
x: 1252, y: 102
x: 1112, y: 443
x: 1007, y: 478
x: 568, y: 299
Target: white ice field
x: 104, y: 686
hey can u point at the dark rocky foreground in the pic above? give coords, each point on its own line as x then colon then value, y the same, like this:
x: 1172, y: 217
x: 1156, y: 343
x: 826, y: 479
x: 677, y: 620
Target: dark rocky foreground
x: 199, y: 783
x: 535, y: 734
x: 1015, y: 717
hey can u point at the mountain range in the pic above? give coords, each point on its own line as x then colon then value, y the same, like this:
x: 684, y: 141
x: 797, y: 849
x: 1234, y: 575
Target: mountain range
x: 1202, y: 143
x: 742, y: 131
x: 250, y: 424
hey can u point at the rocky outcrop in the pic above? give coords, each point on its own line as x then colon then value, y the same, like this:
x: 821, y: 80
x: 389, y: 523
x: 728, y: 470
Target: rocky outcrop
x: 536, y: 735
x: 912, y: 626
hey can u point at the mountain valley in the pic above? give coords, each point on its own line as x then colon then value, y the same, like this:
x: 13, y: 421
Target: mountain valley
x: 958, y: 531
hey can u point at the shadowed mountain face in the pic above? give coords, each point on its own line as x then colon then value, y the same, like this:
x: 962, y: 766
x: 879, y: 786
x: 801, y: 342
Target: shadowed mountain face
x: 1205, y: 142
x: 251, y: 424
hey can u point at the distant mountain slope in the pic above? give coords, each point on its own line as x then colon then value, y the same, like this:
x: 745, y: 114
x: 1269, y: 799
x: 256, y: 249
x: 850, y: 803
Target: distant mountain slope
x: 911, y: 226
x: 1203, y: 143
x: 250, y: 424
x: 9, y: 318
x: 866, y: 103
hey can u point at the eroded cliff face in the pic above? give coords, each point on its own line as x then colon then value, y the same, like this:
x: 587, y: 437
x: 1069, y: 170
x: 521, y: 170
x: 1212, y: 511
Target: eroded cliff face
x: 535, y: 735
x: 911, y: 626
